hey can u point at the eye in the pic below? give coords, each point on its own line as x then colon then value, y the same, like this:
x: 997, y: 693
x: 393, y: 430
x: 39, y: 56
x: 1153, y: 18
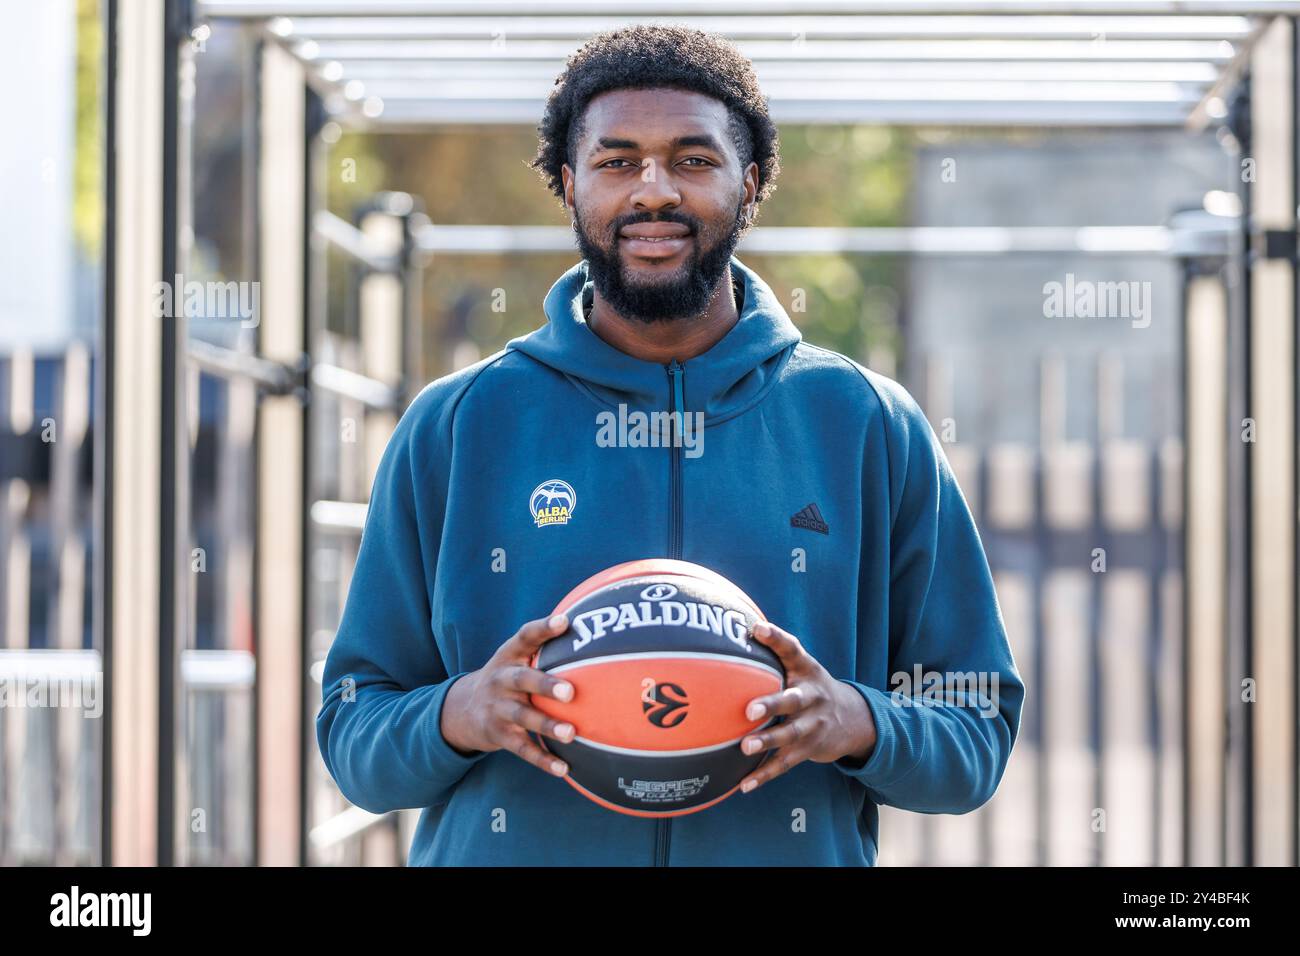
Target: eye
x: 617, y: 160
x: 706, y: 162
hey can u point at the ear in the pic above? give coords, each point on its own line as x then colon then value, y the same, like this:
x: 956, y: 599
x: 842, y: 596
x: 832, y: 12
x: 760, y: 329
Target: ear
x: 566, y: 176
x: 750, y: 184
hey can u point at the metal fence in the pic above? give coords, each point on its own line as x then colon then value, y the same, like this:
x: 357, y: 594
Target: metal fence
x: 51, y: 670
x: 50, y: 673
x: 1085, y: 540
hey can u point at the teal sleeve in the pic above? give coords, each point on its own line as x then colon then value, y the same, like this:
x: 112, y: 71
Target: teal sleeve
x: 947, y: 720
x: 384, y: 683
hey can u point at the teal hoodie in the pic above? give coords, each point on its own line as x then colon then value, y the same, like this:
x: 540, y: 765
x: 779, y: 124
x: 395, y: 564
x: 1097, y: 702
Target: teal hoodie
x: 815, y: 484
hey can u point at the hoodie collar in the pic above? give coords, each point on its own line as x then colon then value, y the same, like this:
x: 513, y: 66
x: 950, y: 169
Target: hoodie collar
x: 727, y: 379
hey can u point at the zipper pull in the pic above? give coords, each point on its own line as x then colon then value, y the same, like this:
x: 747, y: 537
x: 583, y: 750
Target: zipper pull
x: 678, y: 399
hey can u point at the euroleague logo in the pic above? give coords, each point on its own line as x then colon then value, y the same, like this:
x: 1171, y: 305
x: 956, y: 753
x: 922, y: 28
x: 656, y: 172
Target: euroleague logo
x: 664, y: 704
x: 552, y: 502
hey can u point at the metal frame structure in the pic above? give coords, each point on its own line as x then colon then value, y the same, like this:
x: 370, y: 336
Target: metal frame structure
x: 426, y: 62
x: 393, y: 65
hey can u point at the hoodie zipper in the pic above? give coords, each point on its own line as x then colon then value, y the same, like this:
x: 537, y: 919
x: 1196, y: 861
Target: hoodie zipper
x: 677, y: 411
x: 677, y: 408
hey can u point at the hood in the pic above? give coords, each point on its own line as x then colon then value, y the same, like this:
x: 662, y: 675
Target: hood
x: 730, y: 377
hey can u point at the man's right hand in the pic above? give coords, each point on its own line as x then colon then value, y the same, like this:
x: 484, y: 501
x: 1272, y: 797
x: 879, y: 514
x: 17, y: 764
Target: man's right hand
x: 488, y: 709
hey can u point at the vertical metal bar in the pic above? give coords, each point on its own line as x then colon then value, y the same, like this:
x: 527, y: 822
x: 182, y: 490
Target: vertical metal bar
x: 410, y: 334
x: 1295, y: 447
x: 1185, y: 657
x: 982, y: 509
x: 252, y: 115
x: 1096, y: 595
x: 103, y: 430
x: 1229, y: 512
x: 67, y: 577
x: 1038, y: 581
x: 281, y: 563
x: 411, y: 276
x: 1207, y: 551
x: 6, y: 774
x: 1235, y: 599
x: 173, y: 475
x: 314, y: 118
x: 1247, y: 512
x: 311, y: 102
x: 6, y: 371
x: 172, y: 423
x: 135, y: 324
x: 62, y: 503
x: 1155, y: 635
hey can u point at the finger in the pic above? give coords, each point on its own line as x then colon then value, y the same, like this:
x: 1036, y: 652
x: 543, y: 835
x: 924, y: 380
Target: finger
x: 522, y: 746
x: 529, y: 680
x: 782, y: 735
x: 784, y: 644
x: 520, y: 714
x: 777, y: 763
x: 792, y: 700
x: 534, y: 634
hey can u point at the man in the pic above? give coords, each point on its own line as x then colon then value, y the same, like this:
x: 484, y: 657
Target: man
x: 814, y: 484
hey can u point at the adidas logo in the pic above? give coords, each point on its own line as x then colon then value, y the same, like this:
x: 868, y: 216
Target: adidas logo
x: 810, y: 518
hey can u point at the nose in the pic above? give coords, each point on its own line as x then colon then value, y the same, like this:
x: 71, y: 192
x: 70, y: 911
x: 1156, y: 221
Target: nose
x: 654, y: 189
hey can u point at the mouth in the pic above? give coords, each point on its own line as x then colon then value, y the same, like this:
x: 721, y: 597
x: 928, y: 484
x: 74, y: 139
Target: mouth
x: 654, y: 240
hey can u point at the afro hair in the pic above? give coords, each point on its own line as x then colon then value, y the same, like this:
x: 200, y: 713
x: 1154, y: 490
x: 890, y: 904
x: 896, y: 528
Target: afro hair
x: 647, y: 56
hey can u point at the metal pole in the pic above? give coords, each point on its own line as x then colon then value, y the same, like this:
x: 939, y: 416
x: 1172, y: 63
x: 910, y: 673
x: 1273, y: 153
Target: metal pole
x: 173, y: 527
x: 104, y: 429
x: 313, y: 119
x: 1295, y: 444
x: 1238, y: 660
x: 1248, y: 493
x: 1185, y: 651
x: 1156, y: 638
x: 412, y: 322
x: 1098, y: 533
x: 251, y: 178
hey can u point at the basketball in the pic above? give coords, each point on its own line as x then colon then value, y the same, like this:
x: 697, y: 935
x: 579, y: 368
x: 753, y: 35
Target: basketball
x: 663, y: 664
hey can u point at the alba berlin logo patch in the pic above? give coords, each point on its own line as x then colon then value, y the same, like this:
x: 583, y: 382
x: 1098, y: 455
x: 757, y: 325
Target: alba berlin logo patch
x: 552, y: 502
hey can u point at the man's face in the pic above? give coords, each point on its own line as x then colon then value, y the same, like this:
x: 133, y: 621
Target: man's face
x: 658, y: 198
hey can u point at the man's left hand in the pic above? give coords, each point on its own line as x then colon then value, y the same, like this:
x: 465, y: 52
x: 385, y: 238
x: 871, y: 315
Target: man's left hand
x: 826, y: 719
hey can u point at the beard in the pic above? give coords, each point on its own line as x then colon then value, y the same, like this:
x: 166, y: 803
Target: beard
x: 684, y: 293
